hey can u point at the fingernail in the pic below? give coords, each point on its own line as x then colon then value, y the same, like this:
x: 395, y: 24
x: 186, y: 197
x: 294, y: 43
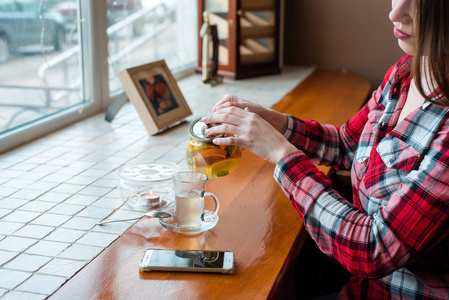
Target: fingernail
x: 207, y: 131
x: 214, y: 141
x: 219, y: 107
x: 204, y: 118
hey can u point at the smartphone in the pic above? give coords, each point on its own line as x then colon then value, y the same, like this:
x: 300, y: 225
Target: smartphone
x: 187, y: 261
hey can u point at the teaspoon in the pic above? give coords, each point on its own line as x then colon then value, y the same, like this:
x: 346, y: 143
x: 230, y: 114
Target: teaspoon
x: 152, y: 214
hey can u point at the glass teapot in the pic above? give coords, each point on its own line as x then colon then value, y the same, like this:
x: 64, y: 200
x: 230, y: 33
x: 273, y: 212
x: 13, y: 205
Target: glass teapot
x: 205, y: 157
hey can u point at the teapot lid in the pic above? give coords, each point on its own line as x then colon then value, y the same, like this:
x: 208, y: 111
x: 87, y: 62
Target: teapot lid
x: 197, y: 130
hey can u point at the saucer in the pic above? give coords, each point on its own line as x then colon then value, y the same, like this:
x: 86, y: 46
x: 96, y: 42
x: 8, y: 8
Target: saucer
x: 169, y: 223
x: 161, y: 205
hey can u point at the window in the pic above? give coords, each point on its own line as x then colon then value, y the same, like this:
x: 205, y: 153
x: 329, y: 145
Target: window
x: 59, y: 58
x: 142, y: 31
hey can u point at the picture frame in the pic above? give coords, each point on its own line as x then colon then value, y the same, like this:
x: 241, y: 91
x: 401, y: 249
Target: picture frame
x: 155, y: 94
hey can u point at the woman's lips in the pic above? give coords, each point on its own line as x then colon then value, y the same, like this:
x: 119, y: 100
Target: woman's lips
x: 400, y: 34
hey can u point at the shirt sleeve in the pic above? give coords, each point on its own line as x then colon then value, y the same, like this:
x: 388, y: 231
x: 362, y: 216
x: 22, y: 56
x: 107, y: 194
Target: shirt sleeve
x: 413, y: 219
x: 327, y: 144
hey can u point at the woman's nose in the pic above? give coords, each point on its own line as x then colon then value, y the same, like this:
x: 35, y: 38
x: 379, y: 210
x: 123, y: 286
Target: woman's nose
x: 402, y: 11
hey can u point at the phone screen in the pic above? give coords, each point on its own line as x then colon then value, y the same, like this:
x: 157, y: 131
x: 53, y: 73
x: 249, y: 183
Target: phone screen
x: 187, y: 260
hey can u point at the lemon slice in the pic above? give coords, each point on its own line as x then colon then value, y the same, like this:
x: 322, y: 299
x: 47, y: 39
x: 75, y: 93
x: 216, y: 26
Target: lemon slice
x: 198, y: 145
x: 223, y: 167
x: 214, y: 152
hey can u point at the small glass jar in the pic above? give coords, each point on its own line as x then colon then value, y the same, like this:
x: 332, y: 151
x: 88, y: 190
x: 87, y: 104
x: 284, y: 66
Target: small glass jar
x: 147, y: 186
x: 205, y: 157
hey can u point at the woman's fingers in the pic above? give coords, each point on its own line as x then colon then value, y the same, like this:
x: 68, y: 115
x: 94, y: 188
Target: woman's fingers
x: 226, y: 114
x: 226, y: 100
x: 223, y: 129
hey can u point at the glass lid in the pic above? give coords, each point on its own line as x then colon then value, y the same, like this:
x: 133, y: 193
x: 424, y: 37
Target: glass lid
x: 197, y: 130
x: 149, y: 172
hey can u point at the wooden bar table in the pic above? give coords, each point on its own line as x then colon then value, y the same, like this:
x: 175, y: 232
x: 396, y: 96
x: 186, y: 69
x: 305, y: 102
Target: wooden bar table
x: 257, y: 222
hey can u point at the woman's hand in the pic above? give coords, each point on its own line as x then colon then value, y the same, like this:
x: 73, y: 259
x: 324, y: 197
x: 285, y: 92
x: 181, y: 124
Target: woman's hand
x: 276, y: 119
x: 249, y: 130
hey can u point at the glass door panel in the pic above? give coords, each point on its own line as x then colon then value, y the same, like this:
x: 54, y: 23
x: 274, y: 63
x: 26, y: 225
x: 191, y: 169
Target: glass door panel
x: 40, y: 60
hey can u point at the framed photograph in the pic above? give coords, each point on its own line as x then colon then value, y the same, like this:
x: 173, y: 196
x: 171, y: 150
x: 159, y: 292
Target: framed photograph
x: 155, y: 94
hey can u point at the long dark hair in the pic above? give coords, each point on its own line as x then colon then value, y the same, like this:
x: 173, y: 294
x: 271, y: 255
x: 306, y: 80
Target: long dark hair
x: 432, y: 26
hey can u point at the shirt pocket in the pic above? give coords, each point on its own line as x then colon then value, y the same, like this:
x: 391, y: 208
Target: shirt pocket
x: 396, y: 154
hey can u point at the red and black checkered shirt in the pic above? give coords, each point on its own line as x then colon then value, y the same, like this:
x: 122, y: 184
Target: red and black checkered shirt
x: 393, y: 235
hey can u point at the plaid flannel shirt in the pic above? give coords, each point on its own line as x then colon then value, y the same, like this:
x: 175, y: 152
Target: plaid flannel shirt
x: 393, y: 236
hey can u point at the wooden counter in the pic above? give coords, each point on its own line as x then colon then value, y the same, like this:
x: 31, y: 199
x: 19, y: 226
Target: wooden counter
x: 257, y: 221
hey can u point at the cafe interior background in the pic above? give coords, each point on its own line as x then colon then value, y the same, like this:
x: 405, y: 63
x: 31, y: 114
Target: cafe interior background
x: 56, y: 87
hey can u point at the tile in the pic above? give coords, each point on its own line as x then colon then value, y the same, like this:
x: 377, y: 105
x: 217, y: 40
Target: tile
x: 94, y: 191
x: 14, y: 295
x: 24, y: 167
x: 12, y: 203
x: 80, y: 252
x: 33, y: 175
x: 84, y: 165
x: 6, y: 191
x: 70, y: 171
x: 108, y: 202
x: 6, y: 256
x: 48, y: 155
x: 65, y: 235
x: 66, y: 209
x: 80, y: 223
x: 47, y: 169
x: 81, y: 180
x: 57, y: 178
x: 47, y: 248
x: 126, y: 214
x: 50, y: 219
x: 9, y: 227
x: 37, y: 206
x: 96, y: 173
x: 59, y: 162
x: 11, y: 174
x: 95, y: 212
x: 4, y: 212
x: 113, y: 194
x: 13, y: 243
x: 21, y: 216
x: 97, y: 239
x: 116, y: 228
x: 72, y: 156
x: 42, y: 284
x: 27, y: 262
x: 62, y: 267
x: 27, y: 194
x: 6, y: 164
x: 17, y: 183
x: 10, y: 279
x: 54, y: 197
x: 106, y: 182
x: 68, y: 188
x: 34, y: 231
x: 108, y: 166
x: 39, y: 160
x: 81, y: 200
x: 43, y: 185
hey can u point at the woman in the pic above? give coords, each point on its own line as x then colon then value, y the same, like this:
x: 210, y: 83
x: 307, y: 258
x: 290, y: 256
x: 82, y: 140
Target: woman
x: 393, y: 236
